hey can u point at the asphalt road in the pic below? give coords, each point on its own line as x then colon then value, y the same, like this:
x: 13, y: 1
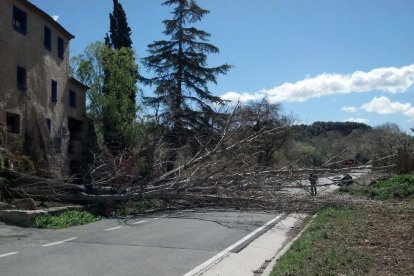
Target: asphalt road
x: 165, y: 244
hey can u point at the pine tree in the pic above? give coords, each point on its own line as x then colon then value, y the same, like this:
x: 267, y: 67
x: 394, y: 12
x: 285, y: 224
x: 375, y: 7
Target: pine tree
x: 119, y: 32
x: 181, y: 73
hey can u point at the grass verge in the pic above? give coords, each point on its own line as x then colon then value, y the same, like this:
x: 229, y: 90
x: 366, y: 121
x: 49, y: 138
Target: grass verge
x: 354, y: 241
x: 67, y: 219
x: 398, y: 187
x: 314, y: 254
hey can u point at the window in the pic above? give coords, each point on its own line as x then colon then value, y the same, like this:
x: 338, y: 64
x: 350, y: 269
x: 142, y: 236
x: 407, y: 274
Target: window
x: 72, y: 99
x: 49, y: 125
x: 21, y: 78
x: 61, y: 48
x: 13, y: 123
x: 19, y: 20
x: 47, y: 40
x: 54, y: 91
x: 57, y: 143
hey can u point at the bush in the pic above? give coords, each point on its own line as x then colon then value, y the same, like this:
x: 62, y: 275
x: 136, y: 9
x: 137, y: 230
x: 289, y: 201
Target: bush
x: 399, y: 186
x: 133, y: 207
x: 67, y: 219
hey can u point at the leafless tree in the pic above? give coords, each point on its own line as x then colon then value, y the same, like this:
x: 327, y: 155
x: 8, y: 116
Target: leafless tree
x: 227, y: 167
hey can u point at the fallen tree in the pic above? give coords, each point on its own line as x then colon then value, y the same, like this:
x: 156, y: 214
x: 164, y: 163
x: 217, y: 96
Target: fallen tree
x: 224, y: 168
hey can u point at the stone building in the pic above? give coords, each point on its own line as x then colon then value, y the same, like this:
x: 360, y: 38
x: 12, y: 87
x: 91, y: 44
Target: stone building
x: 42, y: 108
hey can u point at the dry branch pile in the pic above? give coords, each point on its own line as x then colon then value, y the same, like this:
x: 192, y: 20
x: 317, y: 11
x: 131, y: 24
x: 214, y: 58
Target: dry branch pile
x: 226, y: 168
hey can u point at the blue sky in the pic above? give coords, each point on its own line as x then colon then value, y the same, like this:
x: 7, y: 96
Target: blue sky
x: 324, y: 60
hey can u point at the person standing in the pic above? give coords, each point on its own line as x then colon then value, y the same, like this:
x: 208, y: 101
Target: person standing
x: 313, y: 178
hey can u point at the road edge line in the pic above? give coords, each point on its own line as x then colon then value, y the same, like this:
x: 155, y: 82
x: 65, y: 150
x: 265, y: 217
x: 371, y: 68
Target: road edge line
x: 8, y: 254
x: 113, y: 228
x: 220, y: 255
x: 59, y: 242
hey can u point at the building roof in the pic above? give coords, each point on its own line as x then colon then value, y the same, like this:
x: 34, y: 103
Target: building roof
x: 78, y: 83
x: 47, y: 17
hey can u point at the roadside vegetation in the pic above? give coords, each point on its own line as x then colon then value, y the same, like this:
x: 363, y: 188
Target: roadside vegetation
x: 397, y: 187
x: 134, y: 207
x: 376, y: 238
x: 65, y: 220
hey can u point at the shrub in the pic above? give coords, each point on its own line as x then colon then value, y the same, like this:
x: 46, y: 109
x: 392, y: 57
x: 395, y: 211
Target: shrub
x: 133, y: 207
x: 67, y: 219
x: 399, y: 186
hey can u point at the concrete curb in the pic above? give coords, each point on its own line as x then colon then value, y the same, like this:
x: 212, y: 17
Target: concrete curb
x: 258, y: 234
x: 252, y: 260
x: 25, y: 218
x: 235, y: 248
x: 285, y: 248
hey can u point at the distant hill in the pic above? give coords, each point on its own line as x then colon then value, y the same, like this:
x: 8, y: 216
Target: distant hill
x: 319, y: 128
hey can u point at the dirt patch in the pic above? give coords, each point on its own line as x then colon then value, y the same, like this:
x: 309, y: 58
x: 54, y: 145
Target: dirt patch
x: 390, y: 238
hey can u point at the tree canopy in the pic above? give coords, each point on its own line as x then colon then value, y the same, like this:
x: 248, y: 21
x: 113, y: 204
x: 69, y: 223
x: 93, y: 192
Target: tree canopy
x: 181, y: 73
x: 119, y: 32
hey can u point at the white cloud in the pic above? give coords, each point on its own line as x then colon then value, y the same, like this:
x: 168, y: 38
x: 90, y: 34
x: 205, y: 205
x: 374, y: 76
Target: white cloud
x: 389, y: 79
x: 350, y: 109
x: 357, y: 120
x: 383, y: 105
x: 55, y: 17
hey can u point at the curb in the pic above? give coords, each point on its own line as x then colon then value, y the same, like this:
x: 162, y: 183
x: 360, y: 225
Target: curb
x: 281, y: 252
x: 258, y: 234
x: 236, y: 247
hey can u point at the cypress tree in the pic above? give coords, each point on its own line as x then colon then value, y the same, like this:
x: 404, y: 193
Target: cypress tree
x: 118, y: 111
x: 119, y: 85
x: 119, y: 32
x: 181, y: 73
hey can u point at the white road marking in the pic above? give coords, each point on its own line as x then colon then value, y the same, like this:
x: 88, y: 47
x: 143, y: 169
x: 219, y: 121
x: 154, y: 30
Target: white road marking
x: 113, y: 228
x: 214, y: 259
x: 59, y: 242
x: 161, y: 217
x: 139, y: 222
x: 9, y: 254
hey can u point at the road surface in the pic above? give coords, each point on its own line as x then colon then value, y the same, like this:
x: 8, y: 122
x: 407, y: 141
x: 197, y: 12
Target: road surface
x: 169, y: 244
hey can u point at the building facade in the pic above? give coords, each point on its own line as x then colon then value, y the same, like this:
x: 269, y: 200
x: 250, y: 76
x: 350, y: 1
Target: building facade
x: 42, y: 109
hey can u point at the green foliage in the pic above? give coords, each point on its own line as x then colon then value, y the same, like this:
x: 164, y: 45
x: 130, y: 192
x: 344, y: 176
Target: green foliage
x: 118, y: 105
x: 134, y: 207
x: 67, y: 219
x: 119, y: 32
x: 399, y: 186
x: 88, y: 69
x: 111, y: 75
x: 326, y: 247
x: 383, y: 146
x: 320, y: 128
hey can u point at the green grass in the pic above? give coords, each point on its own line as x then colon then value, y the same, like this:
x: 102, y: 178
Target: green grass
x: 67, y: 219
x: 399, y: 186
x: 327, y: 247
